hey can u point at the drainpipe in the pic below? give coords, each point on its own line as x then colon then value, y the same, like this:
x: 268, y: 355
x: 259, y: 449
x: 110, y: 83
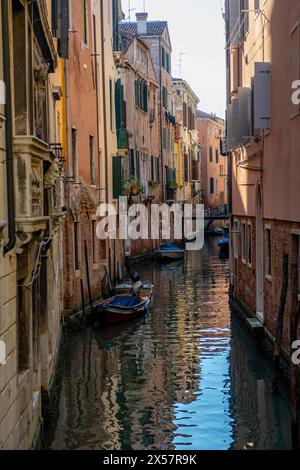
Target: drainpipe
x: 8, y: 132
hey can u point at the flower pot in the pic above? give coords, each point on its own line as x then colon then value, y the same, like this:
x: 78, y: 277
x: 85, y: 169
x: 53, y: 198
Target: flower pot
x: 134, y: 191
x: 126, y: 192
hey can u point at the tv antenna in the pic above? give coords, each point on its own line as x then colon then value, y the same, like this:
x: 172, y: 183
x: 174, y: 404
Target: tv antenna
x: 181, y: 54
x: 129, y: 11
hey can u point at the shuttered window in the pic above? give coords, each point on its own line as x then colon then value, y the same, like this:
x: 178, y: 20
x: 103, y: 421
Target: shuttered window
x: 212, y: 186
x: 164, y: 97
x: 117, y: 177
x: 184, y: 115
x: 157, y: 169
x: 186, y: 168
x: 131, y: 162
x: 138, y: 167
x: 60, y: 25
x: 210, y: 154
x: 84, y: 22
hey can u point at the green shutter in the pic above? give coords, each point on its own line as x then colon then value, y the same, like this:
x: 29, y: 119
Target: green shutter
x: 145, y: 104
x: 117, y: 177
x: 137, y: 93
x: 118, y: 103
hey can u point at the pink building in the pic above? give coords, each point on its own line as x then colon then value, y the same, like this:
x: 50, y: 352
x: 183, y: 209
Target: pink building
x: 263, y: 56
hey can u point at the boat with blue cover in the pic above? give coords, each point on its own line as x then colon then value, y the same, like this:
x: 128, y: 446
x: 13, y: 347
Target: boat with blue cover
x: 169, y: 251
x: 122, y: 308
x: 224, y: 243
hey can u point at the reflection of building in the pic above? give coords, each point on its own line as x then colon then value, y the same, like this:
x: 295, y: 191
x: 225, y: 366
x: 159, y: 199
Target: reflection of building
x: 31, y: 236
x: 259, y: 421
x: 187, y: 148
x: 213, y: 165
x: 262, y: 137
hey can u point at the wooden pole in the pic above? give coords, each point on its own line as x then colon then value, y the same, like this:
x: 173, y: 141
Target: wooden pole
x: 294, y: 382
x: 88, y: 276
x: 280, y: 322
x: 82, y: 298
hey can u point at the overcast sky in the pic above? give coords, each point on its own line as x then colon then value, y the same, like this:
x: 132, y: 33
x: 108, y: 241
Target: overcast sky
x: 197, y: 28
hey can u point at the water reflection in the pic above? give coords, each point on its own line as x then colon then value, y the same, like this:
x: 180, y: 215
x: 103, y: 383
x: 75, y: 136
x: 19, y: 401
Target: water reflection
x: 184, y: 377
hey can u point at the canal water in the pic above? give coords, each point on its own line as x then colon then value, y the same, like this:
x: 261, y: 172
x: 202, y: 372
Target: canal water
x: 185, y: 377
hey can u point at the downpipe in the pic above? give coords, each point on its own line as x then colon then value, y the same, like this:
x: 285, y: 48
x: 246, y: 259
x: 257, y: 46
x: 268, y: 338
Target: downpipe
x: 8, y: 132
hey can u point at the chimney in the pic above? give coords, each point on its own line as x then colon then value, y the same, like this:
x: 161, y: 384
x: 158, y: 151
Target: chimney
x: 141, y: 19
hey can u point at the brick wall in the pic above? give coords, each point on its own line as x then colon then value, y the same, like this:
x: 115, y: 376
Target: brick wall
x: 245, y: 276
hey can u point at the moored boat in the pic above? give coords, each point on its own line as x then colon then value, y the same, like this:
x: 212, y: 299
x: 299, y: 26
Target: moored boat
x: 122, y: 308
x: 169, y: 251
x: 224, y: 243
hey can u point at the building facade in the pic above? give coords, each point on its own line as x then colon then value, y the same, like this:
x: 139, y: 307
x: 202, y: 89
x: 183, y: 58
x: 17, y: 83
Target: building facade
x: 213, y: 164
x: 31, y: 270
x: 156, y: 36
x: 137, y: 121
x: 262, y: 137
x: 187, y: 149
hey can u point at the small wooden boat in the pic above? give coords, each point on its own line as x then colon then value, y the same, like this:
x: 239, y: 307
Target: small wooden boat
x: 122, y: 308
x: 169, y: 251
x: 224, y: 244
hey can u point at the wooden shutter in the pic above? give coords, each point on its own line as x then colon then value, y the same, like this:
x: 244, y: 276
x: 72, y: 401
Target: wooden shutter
x: 63, y: 42
x: 117, y: 177
x: 145, y: 92
x: 131, y: 162
x: 152, y: 168
x: 118, y: 103
x: 157, y: 169
x: 138, y: 171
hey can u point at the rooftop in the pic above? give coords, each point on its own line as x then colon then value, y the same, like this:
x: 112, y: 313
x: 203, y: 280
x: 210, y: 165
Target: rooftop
x: 154, y: 28
x: 211, y: 116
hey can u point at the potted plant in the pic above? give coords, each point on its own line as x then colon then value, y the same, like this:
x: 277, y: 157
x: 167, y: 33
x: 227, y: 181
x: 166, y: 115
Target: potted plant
x: 126, y: 189
x: 132, y: 187
x: 174, y: 185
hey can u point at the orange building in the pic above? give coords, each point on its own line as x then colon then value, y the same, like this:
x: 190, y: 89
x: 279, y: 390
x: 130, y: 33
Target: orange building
x: 213, y: 165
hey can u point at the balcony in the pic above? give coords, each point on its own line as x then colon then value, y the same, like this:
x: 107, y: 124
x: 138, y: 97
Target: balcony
x: 122, y: 138
x: 31, y: 158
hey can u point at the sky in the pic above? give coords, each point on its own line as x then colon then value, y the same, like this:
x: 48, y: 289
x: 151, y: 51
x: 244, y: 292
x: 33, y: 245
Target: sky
x: 196, y: 29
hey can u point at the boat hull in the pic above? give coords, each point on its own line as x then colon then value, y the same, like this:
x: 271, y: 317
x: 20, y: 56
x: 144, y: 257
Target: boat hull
x: 111, y: 313
x: 117, y: 316
x: 169, y: 255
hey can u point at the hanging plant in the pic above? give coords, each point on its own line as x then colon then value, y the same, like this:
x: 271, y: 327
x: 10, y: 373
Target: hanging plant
x: 132, y: 186
x: 174, y: 185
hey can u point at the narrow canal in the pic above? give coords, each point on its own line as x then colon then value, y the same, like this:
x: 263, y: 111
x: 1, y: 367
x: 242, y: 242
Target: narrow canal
x: 186, y: 377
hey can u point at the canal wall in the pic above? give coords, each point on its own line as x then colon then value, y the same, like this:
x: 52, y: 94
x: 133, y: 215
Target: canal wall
x: 263, y: 337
